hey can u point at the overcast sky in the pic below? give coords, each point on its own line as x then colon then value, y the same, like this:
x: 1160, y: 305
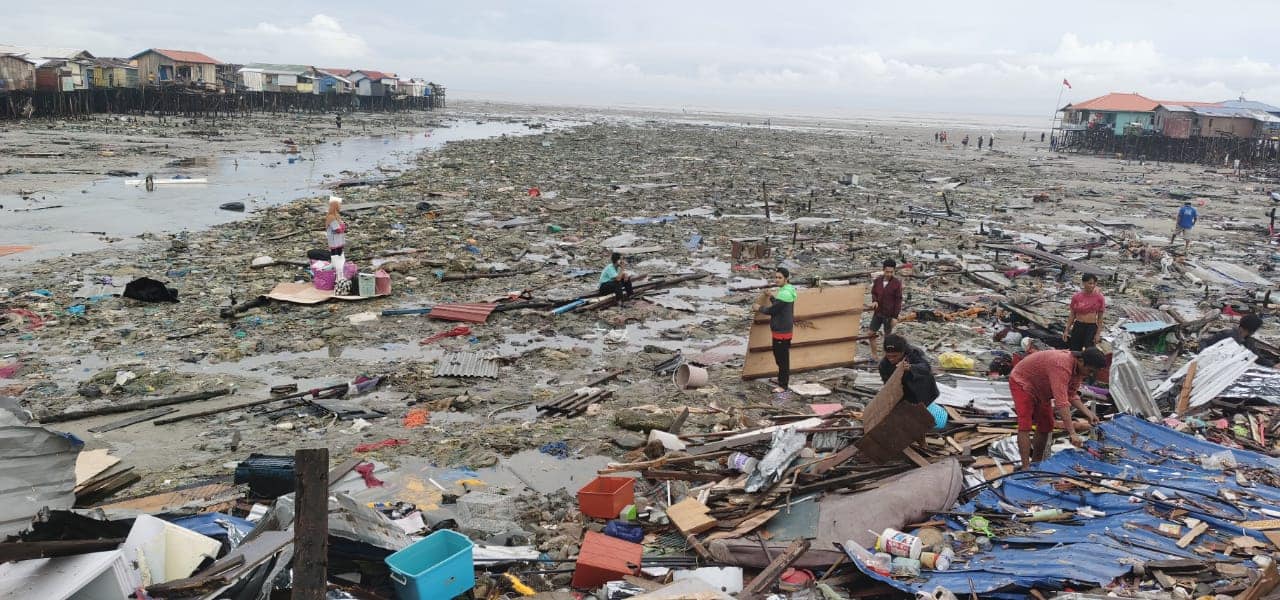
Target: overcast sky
x: 793, y: 56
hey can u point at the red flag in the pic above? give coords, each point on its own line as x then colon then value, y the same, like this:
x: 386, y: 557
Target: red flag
x: 1066, y: 83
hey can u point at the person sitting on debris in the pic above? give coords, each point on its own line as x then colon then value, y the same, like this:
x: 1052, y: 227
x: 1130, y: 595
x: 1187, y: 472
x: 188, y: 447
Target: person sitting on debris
x: 918, y: 384
x: 614, y: 280
x: 334, y: 229
x: 1044, y: 382
x: 886, y: 298
x: 1084, y: 323
x: 781, y: 311
x: 1243, y: 335
x: 1187, y: 218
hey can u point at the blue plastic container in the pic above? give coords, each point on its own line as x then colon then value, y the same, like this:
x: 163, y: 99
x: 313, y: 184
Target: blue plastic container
x: 436, y: 567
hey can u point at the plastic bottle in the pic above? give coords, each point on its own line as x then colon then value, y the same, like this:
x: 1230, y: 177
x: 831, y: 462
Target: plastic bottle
x: 742, y: 462
x: 899, y: 543
x: 882, y: 563
x: 905, y: 567
x: 944, y: 560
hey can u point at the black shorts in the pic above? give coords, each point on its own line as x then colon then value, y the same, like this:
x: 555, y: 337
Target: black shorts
x: 1082, y: 335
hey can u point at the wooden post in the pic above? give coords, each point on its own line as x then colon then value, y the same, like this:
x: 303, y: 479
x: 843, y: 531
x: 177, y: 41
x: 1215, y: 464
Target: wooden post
x: 1184, y: 398
x: 765, y: 580
x: 311, y: 525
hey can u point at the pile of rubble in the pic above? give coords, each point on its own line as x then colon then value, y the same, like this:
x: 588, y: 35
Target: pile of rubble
x: 498, y: 428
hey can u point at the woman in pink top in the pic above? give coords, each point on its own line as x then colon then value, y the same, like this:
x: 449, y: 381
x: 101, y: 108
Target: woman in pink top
x: 1084, y: 325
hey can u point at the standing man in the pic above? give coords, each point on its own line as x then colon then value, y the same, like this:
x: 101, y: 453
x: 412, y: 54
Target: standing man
x: 338, y: 119
x: 1084, y: 323
x: 782, y: 314
x: 1045, y: 382
x: 991, y: 142
x: 1187, y: 217
x: 1041, y: 137
x: 886, y: 298
x: 979, y: 142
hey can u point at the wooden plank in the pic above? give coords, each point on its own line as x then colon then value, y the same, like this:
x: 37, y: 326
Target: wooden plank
x: 138, y: 418
x: 1263, y: 585
x: 163, y: 502
x: 1190, y: 536
x: 812, y: 304
x: 1261, y: 525
x: 311, y: 533
x: 1184, y: 398
x: 690, y: 516
x: 763, y: 582
x: 91, y: 463
x: 746, y: 526
x: 1273, y: 537
x: 132, y: 406
x: 12, y: 551
x: 915, y: 457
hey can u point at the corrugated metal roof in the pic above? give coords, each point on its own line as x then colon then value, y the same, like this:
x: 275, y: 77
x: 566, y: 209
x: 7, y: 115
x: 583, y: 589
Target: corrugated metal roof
x: 1128, y: 386
x: 1219, y: 366
x: 1250, y: 104
x: 466, y: 364
x: 38, y: 53
x: 181, y: 56
x: 278, y: 68
x: 336, y: 72
x: 467, y: 313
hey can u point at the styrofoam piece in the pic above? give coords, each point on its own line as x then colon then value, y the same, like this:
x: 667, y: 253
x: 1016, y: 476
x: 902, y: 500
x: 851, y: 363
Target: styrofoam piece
x: 159, y: 551
x: 725, y: 579
x: 92, y: 576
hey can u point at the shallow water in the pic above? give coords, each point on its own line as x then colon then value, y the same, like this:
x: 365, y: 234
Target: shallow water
x: 110, y: 206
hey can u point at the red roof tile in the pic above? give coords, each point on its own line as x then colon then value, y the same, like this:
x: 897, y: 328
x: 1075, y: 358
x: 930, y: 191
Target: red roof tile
x: 1118, y: 102
x: 338, y: 72
x: 183, y: 56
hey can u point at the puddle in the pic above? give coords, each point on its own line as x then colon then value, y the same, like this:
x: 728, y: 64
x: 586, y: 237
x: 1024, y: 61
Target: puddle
x: 259, y: 180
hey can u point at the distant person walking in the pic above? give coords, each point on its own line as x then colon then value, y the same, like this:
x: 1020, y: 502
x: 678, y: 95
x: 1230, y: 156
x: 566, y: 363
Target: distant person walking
x: 781, y: 309
x: 1084, y: 322
x: 991, y: 142
x: 886, y: 298
x: 338, y: 119
x: 965, y: 141
x: 1041, y: 137
x: 1187, y: 217
x: 1024, y: 137
x: 979, y: 142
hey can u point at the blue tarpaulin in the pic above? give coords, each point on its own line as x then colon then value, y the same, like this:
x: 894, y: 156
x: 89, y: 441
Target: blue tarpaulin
x: 1093, y: 552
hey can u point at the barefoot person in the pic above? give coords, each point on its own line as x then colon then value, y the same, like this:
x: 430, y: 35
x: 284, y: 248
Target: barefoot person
x: 1046, y: 382
x: 1084, y: 324
x: 886, y: 298
x: 781, y: 311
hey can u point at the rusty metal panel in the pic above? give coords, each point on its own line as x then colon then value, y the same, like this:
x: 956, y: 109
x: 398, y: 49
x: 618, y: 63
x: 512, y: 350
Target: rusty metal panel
x: 467, y: 313
x: 466, y: 364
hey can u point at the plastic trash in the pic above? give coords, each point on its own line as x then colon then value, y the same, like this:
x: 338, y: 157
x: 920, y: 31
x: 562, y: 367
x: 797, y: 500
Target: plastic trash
x: 1219, y: 461
x: 955, y: 361
x: 787, y: 444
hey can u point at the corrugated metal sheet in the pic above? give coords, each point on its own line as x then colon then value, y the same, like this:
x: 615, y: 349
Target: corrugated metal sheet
x: 466, y: 364
x: 990, y: 397
x: 1236, y: 273
x: 1075, y: 265
x: 37, y: 469
x: 1219, y: 366
x: 1128, y: 386
x: 467, y: 313
x: 1142, y: 314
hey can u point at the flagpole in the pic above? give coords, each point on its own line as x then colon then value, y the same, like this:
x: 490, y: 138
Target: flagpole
x: 1056, y: 106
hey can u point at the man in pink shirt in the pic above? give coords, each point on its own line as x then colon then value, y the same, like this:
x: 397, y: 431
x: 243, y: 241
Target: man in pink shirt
x: 1043, y: 383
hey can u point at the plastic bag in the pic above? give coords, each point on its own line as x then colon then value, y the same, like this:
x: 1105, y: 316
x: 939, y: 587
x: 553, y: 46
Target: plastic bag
x: 954, y: 361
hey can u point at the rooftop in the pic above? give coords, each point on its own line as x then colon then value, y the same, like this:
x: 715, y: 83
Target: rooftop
x: 186, y: 56
x: 278, y: 68
x: 1131, y: 102
x: 34, y: 53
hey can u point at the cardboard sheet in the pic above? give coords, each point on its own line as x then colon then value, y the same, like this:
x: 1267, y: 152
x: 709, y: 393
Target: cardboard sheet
x: 305, y: 293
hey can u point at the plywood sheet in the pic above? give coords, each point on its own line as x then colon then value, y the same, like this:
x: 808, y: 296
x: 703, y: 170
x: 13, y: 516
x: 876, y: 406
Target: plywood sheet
x: 807, y: 358
x: 91, y: 463
x: 835, y: 328
x: 305, y: 293
x: 827, y: 322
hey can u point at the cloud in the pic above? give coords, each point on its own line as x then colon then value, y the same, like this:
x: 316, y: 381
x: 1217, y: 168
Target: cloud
x: 320, y: 39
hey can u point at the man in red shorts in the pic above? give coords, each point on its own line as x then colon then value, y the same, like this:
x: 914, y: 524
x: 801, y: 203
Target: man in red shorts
x: 1046, y: 382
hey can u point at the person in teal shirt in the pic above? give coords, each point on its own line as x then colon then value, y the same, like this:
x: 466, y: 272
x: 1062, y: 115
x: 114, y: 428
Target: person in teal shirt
x: 615, y: 280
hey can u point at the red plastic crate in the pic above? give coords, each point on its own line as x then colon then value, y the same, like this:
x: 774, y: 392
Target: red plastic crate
x: 605, y: 497
x: 604, y: 559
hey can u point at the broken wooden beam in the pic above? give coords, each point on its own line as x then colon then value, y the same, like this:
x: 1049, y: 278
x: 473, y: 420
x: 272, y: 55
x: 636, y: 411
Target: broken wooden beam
x: 311, y: 535
x: 132, y: 406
